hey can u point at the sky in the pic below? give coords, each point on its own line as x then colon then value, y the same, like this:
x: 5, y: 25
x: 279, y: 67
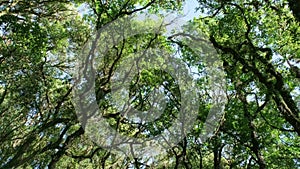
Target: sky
x: 189, y: 9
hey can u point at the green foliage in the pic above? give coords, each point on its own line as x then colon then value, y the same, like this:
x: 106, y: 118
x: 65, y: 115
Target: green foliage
x: 257, y: 41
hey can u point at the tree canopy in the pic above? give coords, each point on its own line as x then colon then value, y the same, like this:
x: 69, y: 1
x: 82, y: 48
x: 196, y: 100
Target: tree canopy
x: 257, y: 42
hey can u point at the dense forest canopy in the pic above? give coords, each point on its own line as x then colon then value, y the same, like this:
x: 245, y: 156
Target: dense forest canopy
x: 256, y: 43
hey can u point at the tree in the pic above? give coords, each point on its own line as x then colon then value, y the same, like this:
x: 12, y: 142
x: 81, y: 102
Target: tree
x: 257, y: 42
